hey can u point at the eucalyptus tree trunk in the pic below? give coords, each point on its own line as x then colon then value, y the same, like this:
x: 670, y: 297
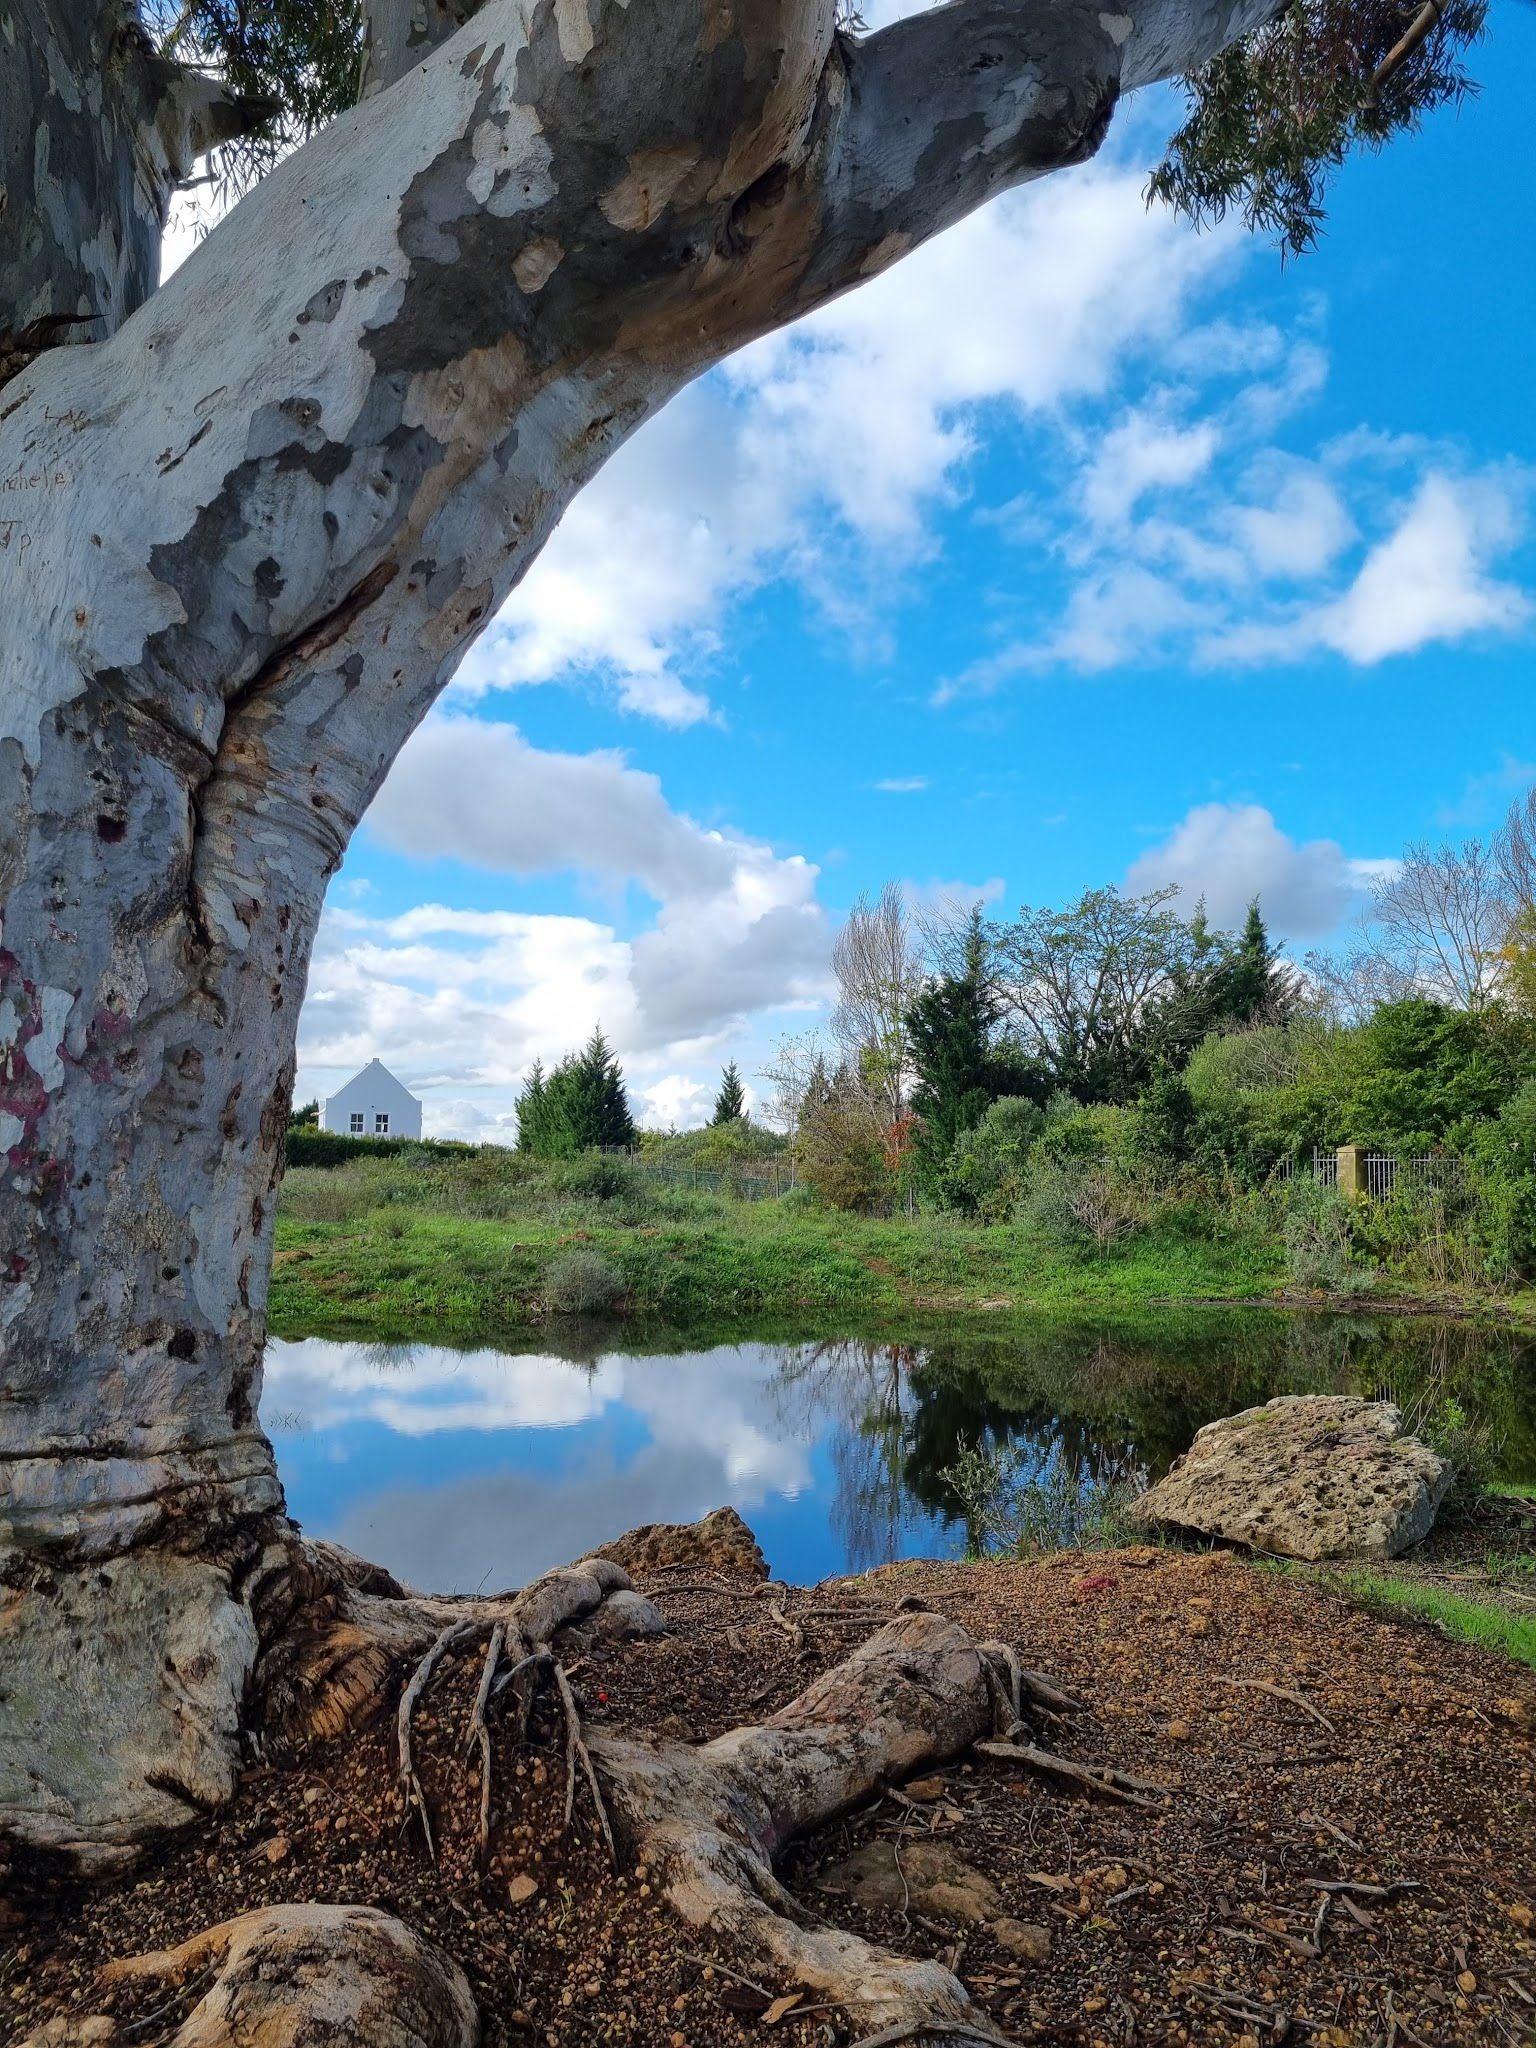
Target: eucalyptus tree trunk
x: 249, y: 524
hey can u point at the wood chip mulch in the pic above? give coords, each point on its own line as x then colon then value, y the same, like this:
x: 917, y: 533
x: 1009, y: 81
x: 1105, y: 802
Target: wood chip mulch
x: 1345, y: 1854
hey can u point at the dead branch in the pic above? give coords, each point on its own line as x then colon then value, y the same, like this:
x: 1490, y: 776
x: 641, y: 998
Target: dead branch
x: 1283, y: 1692
x: 1100, y: 1778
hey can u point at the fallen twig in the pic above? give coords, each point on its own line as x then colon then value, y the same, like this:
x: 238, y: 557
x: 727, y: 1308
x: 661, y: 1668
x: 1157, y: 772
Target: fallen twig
x: 916, y: 2030
x: 1101, y: 1778
x: 1363, y: 1891
x: 1283, y: 1692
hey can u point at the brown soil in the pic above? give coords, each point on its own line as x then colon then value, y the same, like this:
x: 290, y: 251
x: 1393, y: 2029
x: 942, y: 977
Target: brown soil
x: 1193, y: 1923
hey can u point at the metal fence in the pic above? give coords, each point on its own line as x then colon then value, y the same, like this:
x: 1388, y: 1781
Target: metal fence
x: 753, y: 1180
x: 1392, y: 1173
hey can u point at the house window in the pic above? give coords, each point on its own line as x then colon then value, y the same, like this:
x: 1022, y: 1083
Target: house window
x: 380, y: 1124
x: 356, y: 1122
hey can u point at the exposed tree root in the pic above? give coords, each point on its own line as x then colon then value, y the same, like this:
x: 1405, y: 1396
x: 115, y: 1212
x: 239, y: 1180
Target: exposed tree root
x: 710, y: 1821
x: 528, y: 1621
x: 1100, y: 1778
x: 298, y: 1977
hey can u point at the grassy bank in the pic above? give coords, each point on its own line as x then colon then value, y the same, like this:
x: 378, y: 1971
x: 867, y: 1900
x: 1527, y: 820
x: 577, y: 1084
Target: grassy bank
x: 393, y: 1272
x: 473, y: 1244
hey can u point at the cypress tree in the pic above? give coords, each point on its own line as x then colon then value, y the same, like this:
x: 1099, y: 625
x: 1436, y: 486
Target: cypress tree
x: 730, y: 1103
x: 1261, y: 989
x: 960, y: 1071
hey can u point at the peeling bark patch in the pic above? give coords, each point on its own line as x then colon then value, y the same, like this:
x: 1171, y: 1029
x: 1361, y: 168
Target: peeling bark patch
x: 536, y: 264
x: 574, y: 25
x: 653, y: 177
x: 322, y: 305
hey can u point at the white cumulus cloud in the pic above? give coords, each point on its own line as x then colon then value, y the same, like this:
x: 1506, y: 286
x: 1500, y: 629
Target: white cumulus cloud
x: 1232, y: 853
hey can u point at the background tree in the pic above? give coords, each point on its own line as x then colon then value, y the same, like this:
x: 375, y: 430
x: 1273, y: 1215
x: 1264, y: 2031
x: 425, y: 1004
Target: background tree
x: 1087, y: 986
x: 877, y: 960
x: 533, y: 1107
x: 730, y: 1103
x: 959, y: 1065
x: 1441, y: 921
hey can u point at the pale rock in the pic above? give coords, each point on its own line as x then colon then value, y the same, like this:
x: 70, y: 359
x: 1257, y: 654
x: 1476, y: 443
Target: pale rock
x: 1311, y: 1476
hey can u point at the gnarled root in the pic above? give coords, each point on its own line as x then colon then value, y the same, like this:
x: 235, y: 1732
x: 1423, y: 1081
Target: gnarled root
x: 298, y: 1977
x: 711, y: 1820
x: 596, y: 1591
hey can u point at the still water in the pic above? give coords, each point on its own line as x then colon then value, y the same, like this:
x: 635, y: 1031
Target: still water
x: 463, y: 1468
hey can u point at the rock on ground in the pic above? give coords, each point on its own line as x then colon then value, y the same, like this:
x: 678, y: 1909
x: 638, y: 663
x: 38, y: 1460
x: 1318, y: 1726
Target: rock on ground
x: 720, y: 1542
x: 931, y: 1877
x: 1311, y: 1476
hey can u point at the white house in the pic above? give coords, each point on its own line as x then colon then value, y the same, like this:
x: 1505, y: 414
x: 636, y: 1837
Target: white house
x: 372, y: 1105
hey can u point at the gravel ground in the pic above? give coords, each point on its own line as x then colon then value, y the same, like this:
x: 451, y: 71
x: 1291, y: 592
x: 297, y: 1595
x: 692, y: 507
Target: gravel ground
x: 1301, y: 1743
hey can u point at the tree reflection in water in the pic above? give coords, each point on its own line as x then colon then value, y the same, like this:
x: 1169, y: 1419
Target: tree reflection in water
x: 1111, y: 1404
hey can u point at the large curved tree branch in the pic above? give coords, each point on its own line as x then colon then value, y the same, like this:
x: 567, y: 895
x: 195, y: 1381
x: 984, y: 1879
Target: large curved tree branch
x: 246, y: 539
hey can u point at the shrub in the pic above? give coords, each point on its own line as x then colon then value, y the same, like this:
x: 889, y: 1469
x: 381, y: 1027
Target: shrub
x: 1319, y: 1240
x: 1079, y: 1201
x: 305, y: 1146
x: 985, y: 1172
x: 581, y: 1283
x: 1468, y: 1445
x: 594, y: 1177
x: 1163, y: 1128
x: 1101, y: 1132
x: 1013, y: 1511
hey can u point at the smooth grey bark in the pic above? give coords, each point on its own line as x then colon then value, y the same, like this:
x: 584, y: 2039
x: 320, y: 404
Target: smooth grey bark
x: 398, y: 34
x: 96, y: 133
x: 246, y: 539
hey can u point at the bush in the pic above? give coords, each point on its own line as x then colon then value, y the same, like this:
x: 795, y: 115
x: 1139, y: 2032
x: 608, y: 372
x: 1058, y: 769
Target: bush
x: 1102, y: 1132
x: 306, y: 1146
x: 1080, y: 1201
x: 594, y: 1177
x: 1011, y: 1511
x: 1164, y: 1125
x: 1319, y: 1240
x: 984, y: 1174
x: 581, y: 1283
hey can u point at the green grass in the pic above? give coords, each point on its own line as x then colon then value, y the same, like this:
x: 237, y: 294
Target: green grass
x: 1513, y: 1489
x: 460, y: 1241
x: 1479, y: 1622
x: 1395, y: 1596
x: 359, y: 1249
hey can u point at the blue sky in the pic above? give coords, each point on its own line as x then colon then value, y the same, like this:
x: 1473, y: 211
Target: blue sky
x: 1077, y: 548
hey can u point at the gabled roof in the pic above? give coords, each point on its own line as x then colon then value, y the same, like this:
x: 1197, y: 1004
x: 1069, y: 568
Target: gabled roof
x: 372, y: 1064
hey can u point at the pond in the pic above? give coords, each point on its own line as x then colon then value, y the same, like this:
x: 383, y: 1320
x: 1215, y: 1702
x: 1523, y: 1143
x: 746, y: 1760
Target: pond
x: 466, y: 1468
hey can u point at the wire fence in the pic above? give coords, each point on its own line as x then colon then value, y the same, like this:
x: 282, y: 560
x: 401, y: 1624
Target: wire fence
x: 1387, y: 1174
x: 752, y: 1180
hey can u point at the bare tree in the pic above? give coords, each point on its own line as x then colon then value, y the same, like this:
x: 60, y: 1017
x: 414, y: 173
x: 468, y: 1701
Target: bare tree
x: 1348, y: 988
x: 878, y: 963
x: 1515, y: 852
x: 1442, y: 922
